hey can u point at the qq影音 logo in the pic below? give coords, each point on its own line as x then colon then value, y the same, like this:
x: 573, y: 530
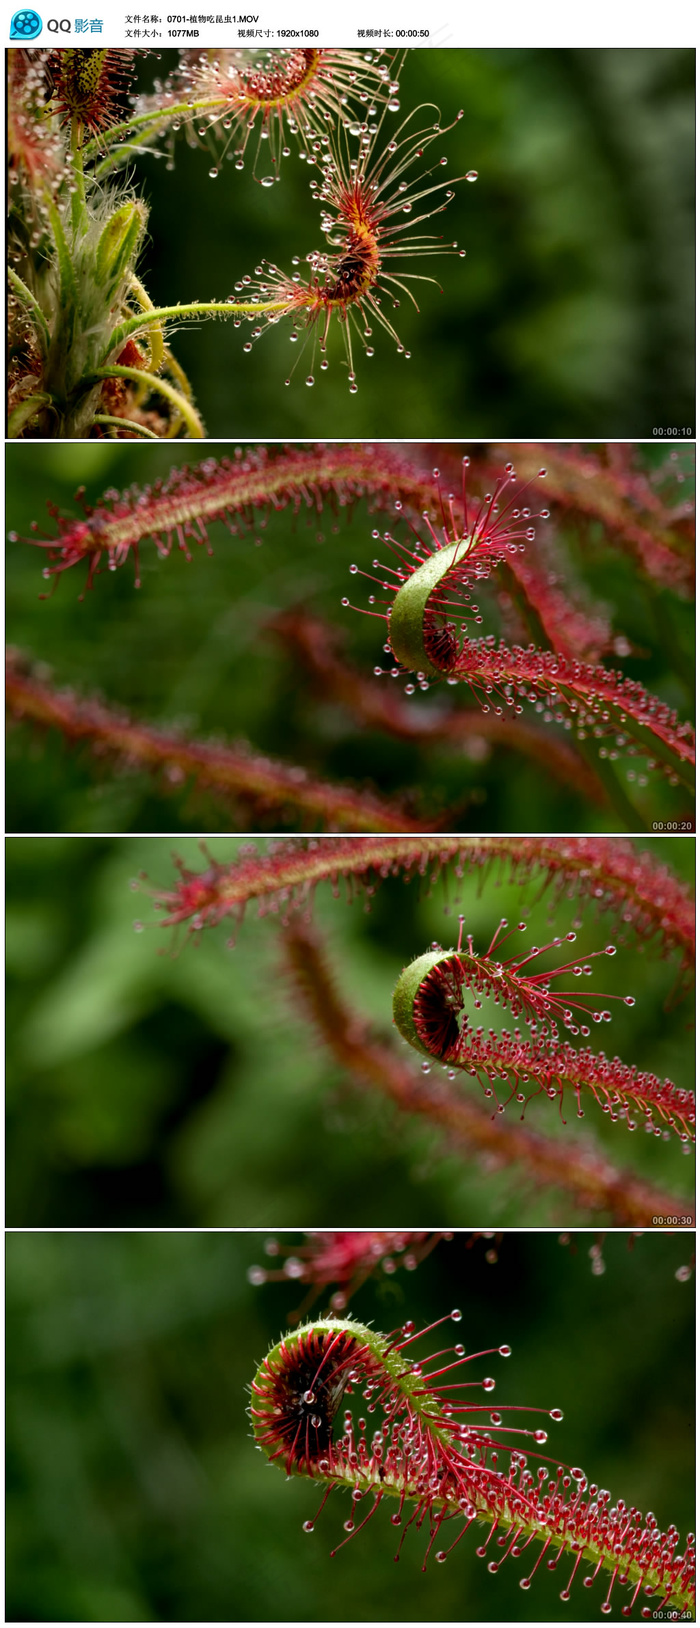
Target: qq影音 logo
x: 25, y: 25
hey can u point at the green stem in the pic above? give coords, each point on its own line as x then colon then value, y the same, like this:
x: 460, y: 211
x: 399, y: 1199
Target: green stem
x: 68, y: 287
x: 156, y: 341
x: 32, y: 304
x: 181, y: 379
x: 126, y: 424
x: 161, y: 116
x: 167, y: 313
x: 160, y: 387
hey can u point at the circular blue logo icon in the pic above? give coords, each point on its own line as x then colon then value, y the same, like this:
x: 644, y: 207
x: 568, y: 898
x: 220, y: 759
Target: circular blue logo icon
x: 25, y: 25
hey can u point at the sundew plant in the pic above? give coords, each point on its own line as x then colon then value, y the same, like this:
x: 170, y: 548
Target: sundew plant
x: 89, y: 351
x: 167, y: 1331
x: 567, y: 317
x: 498, y: 1029
x: 438, y: 1457
x: 445, y: 999
x: 376, y: 641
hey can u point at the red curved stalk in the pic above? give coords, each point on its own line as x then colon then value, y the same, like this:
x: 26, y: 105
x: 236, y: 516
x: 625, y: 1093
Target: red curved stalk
x: 469, y: 1128
x: 611, y: 872
x: 433, y: 1005
x: 236, y: 773
x: 239, y: 491
x: 246, y: 484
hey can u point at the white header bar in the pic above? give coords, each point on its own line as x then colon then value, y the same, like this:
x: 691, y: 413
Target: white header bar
x: 370, y: 24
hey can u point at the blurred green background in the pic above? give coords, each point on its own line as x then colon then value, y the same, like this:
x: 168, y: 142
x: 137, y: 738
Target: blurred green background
x: 150, y: 1090
x: 573, y: 312
x: 191, y: 648
x: 134, y: 1490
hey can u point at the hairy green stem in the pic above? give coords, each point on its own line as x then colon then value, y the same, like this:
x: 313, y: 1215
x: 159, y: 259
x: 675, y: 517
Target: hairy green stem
x: 160, y: 387
x: 169, y: 313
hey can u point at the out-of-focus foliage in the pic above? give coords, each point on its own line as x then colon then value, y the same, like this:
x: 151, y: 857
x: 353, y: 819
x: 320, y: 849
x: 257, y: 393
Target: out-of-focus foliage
x: 150, y: 1090
x: 135, y: 1492
x: 193, y: 648
x: 572, y: 313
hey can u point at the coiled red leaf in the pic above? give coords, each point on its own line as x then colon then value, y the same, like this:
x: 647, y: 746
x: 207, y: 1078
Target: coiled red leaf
x: 432, y: 1450
x: 434, y: 1003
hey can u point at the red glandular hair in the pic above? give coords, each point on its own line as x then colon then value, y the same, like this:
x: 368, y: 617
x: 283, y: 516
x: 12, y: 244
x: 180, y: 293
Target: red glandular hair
x: 33, y: 149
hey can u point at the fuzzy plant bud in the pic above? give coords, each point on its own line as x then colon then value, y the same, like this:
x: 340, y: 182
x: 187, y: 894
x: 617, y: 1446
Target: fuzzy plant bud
x: 119, y: 242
